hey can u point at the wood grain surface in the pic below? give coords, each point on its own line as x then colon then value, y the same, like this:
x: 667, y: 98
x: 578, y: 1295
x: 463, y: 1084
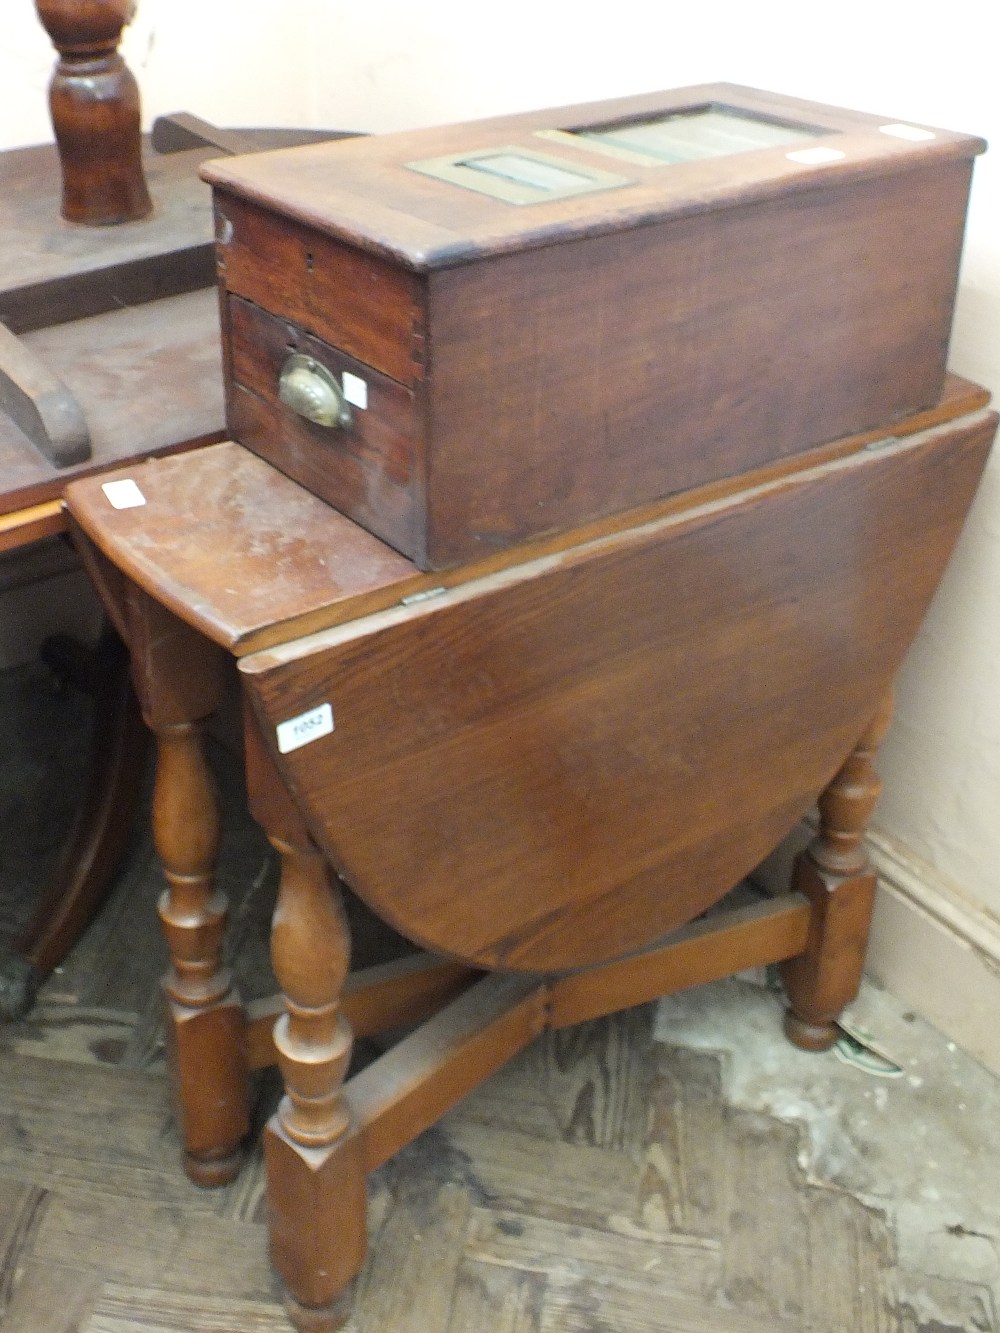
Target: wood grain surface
x: 54, y: 272
x: 579, y: 356
x: 356, y: 191
x: 553, y: 765
x: 268, y: 553
x: 599, y: 1181
x: 322, y: 285
x: 274, y: 562
x: 580, y: 380
x: 368, y: 469
x: 149, y: 380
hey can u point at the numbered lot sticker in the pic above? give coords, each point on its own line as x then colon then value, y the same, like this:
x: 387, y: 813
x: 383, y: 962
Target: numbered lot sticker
x: 355, y: 390
x: 912, y: 132
x: 304, y: 729
x: 815, y: 157
x: 123, y: 494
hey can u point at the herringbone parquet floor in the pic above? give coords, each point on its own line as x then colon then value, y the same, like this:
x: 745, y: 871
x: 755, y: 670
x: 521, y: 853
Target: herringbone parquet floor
x: 598, y: 1184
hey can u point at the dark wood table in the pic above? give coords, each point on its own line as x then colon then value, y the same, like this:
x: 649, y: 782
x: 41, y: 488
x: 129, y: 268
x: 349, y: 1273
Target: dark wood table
x: 117, y: 330
x: 119, y: 326
x: 542, y: 768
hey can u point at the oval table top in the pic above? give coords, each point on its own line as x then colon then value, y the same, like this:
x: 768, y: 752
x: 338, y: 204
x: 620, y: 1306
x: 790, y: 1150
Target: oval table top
x: 554, y: 764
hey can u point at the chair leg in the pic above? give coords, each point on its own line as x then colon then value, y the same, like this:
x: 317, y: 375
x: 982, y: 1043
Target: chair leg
x: 835, y: 875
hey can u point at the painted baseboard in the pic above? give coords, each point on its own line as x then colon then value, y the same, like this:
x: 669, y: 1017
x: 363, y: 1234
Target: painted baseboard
x: 929, y: 946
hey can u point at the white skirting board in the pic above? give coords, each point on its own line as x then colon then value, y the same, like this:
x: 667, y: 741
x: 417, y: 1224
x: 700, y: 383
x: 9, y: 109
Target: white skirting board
x: 929, y: 946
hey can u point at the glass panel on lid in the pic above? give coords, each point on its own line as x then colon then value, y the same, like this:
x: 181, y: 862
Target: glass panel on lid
x: 527, y: 171
x: 689, y: 136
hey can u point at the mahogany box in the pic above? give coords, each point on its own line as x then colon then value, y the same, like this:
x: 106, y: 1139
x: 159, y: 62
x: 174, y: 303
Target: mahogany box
x: 465, y: 336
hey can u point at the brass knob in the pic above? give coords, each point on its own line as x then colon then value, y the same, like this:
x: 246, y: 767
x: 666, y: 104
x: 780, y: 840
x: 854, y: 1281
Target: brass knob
x: 312, y: 391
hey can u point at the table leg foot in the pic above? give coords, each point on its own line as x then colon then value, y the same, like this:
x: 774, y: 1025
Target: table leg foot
x: 211, y: 1172
x: 318, y: 1319
x: 317, y: 1207
x: 210, y: 1081
x: 809, y: 1036
x: 834, y: 874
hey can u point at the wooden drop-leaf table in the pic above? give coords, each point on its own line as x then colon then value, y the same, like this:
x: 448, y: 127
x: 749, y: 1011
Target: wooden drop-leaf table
x: 541, y: 768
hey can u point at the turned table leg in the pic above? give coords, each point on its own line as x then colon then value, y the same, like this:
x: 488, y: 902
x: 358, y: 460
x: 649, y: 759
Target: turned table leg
x: 179, y: 678
x: 205, y: 1017
x: 315, y: 1170
x: 835, y: 875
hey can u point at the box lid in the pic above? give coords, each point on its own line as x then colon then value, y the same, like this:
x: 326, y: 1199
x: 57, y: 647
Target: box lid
x: 450, y: 194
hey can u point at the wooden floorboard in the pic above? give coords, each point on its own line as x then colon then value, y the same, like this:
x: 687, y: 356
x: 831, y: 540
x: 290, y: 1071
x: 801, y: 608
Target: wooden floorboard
x: 581, y: 1216
x: 52, y: 1298
x: 123, y: 1309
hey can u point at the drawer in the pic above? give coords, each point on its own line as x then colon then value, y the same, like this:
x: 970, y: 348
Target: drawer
x: 365, y: 468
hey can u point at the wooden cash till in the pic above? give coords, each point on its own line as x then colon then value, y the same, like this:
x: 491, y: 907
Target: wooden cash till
x: 618, y: 513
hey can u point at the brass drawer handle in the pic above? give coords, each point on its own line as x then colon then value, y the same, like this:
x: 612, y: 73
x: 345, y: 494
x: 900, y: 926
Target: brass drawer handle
x: 312, y: 391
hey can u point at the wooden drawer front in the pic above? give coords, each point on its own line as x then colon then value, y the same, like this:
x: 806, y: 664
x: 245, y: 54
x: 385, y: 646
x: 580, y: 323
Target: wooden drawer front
x: 366, y: 470
x: 350, y: 299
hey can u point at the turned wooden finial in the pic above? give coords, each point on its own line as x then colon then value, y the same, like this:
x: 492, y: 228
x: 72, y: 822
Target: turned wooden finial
x: 95, y: 112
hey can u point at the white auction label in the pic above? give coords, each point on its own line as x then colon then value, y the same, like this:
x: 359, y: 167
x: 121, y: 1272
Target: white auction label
x: 355, y: 390
x: 123, y: 494
x: 912, y: 132
x: 304, y: 729
x: 815, y: 157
